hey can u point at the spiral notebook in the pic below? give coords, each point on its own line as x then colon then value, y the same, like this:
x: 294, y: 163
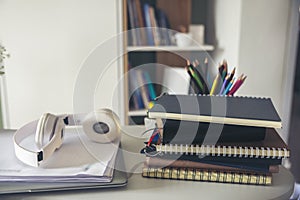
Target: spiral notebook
x: 208, y: 175
x: 272, y: 147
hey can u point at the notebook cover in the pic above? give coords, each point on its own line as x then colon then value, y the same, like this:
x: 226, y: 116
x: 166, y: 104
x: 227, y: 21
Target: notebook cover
x: 245, y: 111
x: 244, y: 167
x: 222, y: 176
x: 191, y: 132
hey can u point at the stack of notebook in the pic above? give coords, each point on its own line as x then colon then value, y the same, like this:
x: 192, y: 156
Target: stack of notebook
x: 215, y: 138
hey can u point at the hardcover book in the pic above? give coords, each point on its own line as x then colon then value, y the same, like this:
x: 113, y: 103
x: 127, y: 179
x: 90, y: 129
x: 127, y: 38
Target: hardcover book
x: 188, y: 118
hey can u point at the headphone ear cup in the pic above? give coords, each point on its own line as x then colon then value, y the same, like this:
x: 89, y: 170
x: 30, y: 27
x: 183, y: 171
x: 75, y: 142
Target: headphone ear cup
x: 46, y: 128
x: 102, y: 126
x: 43, y: 129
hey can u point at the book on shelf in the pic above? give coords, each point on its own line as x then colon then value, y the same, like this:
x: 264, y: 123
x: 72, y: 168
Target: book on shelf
x: 145, y: 21
x: 165, y: 33
x: 141, y: 89
x: 147, y: 15
x: 142, y: 86
x: 134, y: 90
x: 133, y: 38
x: 136, y: 30
x: 150, y: 86
x: 140, y: 22
x: 154, y: 26
x: 237, y: 118
x: 223, y: 176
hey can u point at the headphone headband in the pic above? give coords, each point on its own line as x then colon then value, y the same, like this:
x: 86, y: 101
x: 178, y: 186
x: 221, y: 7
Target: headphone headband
x: 103, y: 118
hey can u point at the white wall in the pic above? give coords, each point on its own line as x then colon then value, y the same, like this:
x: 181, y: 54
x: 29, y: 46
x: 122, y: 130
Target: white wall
x: 290, y: 63
x: 263, y: 46
x: 48, y: 41
x: 252, y: 35
x: 264, y: 26
x: 227, y: 31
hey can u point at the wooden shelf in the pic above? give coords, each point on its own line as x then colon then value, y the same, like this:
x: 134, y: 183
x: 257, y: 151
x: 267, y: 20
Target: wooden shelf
x: 170, y: 48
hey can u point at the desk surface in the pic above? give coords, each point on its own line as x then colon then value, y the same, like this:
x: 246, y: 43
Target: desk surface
x: 144, y: 188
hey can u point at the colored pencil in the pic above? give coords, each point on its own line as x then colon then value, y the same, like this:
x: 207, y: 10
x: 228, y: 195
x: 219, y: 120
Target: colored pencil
x: 221, y: 68
x: 190, y: 69
x: 231, y: 77
x: 224, y: 73
x: 200, y: 76
x: 224, y: 84
x: 238, y: 85
x: 215, y: 83
x: 197, y: 90
x: 237, y: 82
x: 228, y: 87
x: 206, y: 73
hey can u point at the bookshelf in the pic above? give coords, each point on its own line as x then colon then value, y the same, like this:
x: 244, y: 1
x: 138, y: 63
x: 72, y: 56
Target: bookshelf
x: 159, y: 47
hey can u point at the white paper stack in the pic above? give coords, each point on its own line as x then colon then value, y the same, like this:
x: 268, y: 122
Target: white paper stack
x: 78, y: 160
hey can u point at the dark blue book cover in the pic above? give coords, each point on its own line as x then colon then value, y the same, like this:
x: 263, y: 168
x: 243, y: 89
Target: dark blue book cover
x: 150, y: 36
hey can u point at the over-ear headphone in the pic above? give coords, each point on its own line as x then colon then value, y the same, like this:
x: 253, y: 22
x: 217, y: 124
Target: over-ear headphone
x: 101, y: 126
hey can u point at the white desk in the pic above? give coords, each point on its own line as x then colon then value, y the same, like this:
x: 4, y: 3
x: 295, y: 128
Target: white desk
x: 146, y: 188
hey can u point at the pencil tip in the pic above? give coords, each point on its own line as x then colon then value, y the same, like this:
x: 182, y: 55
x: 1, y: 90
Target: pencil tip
x: 206, y: 60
